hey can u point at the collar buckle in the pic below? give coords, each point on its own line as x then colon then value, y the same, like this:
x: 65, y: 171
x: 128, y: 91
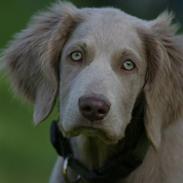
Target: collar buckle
x: 65, y: 172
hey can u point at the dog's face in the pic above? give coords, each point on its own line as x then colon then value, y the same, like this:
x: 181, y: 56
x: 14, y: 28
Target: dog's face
x: 97, y: 61
x: 102, y: 71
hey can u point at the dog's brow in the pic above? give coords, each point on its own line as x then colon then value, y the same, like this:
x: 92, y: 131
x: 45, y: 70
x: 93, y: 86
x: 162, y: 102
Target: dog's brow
x: 78, y: 44
x: 128, y: 53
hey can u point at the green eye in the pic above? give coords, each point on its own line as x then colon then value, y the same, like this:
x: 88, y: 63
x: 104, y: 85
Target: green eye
x: 128, y: 65
x: 76, y: 56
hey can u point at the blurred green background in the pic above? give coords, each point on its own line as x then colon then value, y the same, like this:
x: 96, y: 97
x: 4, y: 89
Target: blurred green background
x: 26, y: 155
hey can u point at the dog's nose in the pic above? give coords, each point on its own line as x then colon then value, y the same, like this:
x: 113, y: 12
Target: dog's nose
x: 94, y: 108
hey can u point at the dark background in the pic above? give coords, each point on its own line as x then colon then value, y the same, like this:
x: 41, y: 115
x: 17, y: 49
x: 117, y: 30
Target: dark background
x: 26, y: 155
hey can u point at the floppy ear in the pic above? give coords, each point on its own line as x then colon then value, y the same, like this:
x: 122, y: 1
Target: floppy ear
x: 32, y: 58
x: 164, y: 87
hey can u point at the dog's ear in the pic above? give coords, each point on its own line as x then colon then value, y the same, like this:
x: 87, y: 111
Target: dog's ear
x: 164, y: 87
x: 32, y: 58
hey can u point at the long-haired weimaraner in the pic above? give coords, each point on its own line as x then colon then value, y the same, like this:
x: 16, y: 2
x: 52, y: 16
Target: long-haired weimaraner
x: 119, y: 82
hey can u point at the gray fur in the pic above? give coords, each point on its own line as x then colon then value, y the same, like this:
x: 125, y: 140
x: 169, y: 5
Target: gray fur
x: 108, y: 37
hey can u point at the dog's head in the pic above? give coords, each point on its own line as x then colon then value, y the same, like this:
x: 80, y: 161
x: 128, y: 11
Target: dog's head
x: 97, y: 61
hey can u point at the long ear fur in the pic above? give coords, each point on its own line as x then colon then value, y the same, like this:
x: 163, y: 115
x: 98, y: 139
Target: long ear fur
x: 164, y: 88
x: 32, y: 57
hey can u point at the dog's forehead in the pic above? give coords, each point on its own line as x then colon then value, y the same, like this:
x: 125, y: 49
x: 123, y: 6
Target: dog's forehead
x: 109, y: 27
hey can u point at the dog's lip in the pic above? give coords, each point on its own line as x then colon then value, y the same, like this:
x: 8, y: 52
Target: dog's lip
x: 90, y: 131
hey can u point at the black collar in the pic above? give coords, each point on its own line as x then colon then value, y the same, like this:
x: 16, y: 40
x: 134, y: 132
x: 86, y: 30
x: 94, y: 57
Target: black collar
x: 134, y: 148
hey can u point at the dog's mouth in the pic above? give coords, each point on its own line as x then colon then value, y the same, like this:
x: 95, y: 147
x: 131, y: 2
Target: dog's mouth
x: 95, y: 132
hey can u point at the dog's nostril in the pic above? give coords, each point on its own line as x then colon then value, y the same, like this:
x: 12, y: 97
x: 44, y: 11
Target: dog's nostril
x: 94, y: 107
x: 101, y: 111
x: 86, y: 109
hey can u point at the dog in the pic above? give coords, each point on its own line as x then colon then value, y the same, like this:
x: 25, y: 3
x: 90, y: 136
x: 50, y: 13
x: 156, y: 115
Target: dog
x: 97, y: 62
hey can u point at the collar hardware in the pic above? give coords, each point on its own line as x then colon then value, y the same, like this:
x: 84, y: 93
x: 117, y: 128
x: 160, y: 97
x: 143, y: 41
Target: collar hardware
x: 65, y: 172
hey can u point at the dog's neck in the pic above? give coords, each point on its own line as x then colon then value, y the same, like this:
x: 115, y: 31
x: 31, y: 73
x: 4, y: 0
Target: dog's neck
x: 92, y: 152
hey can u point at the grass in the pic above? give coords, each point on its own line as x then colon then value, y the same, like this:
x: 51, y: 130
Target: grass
x: 26, y: 154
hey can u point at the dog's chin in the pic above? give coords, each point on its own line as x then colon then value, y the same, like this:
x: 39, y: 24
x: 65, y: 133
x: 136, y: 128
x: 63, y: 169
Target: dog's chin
x: 101, y: 134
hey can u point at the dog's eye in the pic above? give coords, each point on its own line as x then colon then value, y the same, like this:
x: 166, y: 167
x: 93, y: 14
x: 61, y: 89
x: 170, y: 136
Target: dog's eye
x: 76, y: 56
x: 128, y: 65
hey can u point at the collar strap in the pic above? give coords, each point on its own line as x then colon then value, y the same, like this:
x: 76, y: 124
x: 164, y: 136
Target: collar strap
x: 134, y: 148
